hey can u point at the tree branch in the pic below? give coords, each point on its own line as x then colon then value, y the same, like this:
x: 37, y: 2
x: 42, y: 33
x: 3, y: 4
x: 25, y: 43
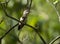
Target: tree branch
x: 54, y: 39
x: 37, y: 33
x: 8, y: 31
x: 54, y: 9
x: 12, y: 35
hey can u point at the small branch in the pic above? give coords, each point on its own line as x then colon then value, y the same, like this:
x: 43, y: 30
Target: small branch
x: 29, y: 4
x: 7, y: 14
x: 55, y: 10
x: 12, y: 35
x: 58, y: 37
x: 6, y: 2
x: 37, y: 33
x: 8, y: 31
x: 19, y: 41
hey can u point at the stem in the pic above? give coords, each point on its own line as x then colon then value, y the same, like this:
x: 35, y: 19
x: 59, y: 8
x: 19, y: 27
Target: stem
x: 8, y: 31
x: 54, y: 39
x: 37, y: 33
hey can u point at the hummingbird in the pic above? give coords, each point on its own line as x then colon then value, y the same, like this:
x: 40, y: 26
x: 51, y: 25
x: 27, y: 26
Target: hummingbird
x: 23, y: 19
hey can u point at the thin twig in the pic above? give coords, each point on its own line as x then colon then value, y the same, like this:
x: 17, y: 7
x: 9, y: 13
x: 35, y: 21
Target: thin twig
x: 58, y: 37
x: 6, y: 2
x: 8, y: 31
x: 37, y: 33
x: 29, y: 4
x: 54, y: 9
x: 12, y: 35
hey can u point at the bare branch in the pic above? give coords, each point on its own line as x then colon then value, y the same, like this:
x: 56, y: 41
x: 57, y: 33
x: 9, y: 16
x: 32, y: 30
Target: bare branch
x: 6, y: 2
x: 54, y: 39
x: 29, y: 4
x: 8, y: 31
x: 12, y: 35
x: 54, y: 9
x: 37, y: 33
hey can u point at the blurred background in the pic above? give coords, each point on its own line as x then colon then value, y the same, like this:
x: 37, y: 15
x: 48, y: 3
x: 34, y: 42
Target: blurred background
x: 44, y: 15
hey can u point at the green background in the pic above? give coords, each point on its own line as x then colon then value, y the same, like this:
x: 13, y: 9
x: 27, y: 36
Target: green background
x: 44, y: 15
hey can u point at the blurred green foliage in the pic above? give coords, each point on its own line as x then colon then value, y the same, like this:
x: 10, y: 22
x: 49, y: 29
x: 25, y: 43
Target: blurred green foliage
x: 43, y: 16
